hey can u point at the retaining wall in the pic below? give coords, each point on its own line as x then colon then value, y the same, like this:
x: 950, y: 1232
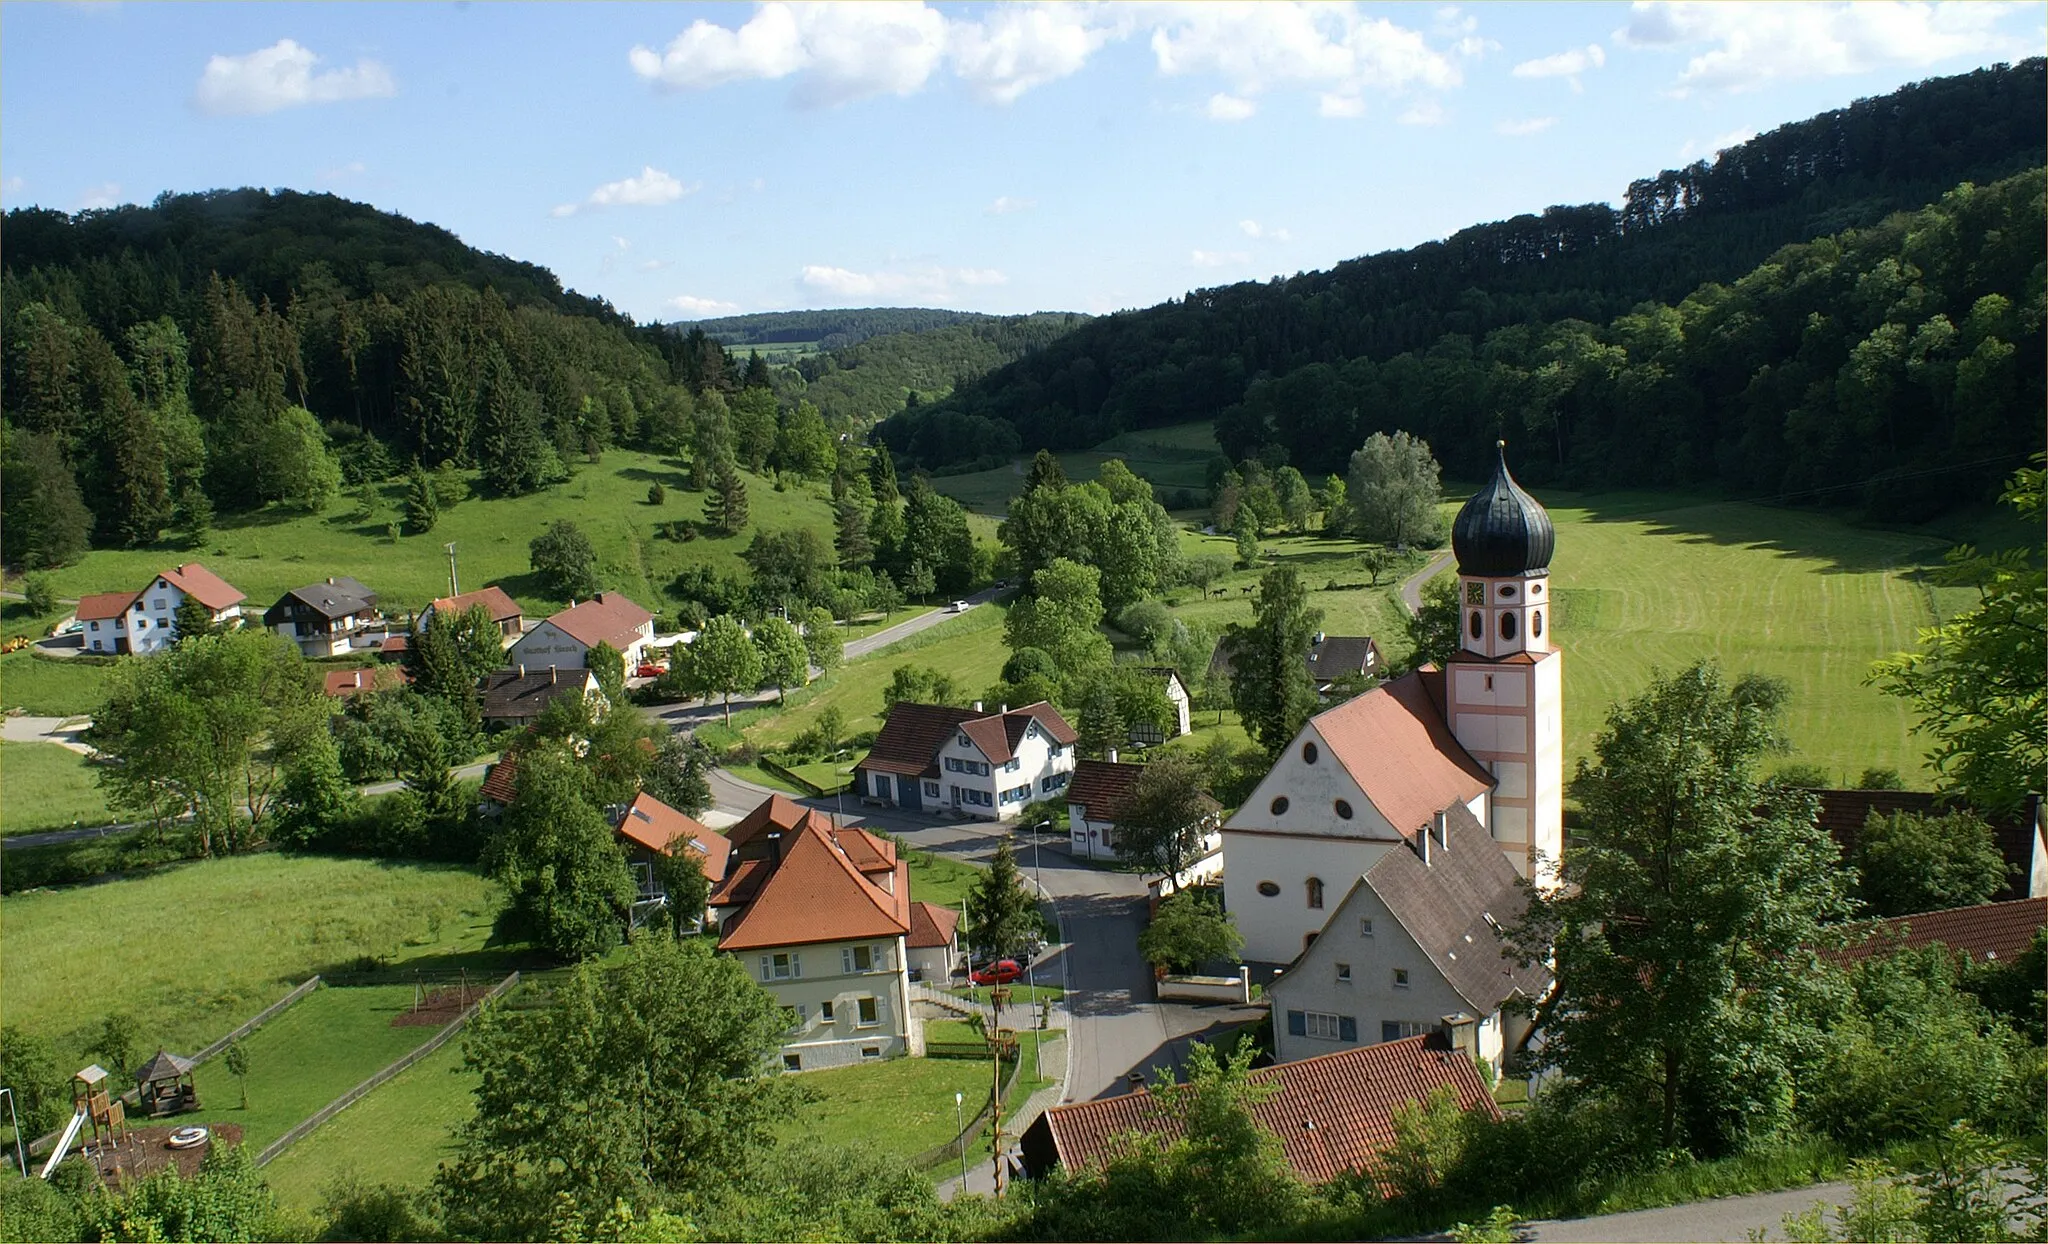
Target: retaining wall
x: 1204, y: 989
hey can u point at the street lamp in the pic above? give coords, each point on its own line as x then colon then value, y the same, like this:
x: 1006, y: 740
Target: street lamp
x: 960, y: 1119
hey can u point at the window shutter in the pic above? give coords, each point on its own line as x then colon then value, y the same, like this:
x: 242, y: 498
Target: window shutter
x: 796, y: 964
x: 1297, y: 1024
x: 1347, y: 1028
x: 767, y: 968
x: 846, y: 959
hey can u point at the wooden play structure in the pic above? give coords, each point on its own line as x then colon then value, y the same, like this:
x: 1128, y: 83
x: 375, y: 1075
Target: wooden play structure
x: 91, y: 1104
x: 164, y: 1086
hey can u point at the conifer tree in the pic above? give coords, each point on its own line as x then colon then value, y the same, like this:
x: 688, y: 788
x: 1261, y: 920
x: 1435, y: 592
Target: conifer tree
x: 1269, y: 679
x: 726, y: 508
x: 422, y: 505
x: 851, y: 538
x: 1001, y: 915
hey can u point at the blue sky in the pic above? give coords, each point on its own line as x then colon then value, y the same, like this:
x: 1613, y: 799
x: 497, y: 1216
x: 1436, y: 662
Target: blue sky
x: 691, y: 160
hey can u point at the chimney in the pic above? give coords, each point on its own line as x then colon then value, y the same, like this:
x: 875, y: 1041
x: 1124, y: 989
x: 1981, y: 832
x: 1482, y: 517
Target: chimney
x: 1003, y: 708
x: 1112, y: 755
x: 522, y: 669
x: 1320, y: 637
x: 1422, y: 844
x: 1443, y: 831
x: 554, y: 675
x: 977, y: 706
x: 330, y: 580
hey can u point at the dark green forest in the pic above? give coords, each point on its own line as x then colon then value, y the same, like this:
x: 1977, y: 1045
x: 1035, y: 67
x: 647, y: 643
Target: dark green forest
x: 1643, y: 344
x: 832, y: 329
x: 875, y: 377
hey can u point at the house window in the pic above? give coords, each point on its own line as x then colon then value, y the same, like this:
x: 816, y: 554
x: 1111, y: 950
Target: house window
x: 803, y: 1014
x: 1308, y: 752
x: 1058, y: 750
x: 1031, y: 731
x: 1053, y: 782
x: 1315, y: 892
x: 825, y: 1012
x: 931, y: 789
x: 1395, y: 1029
x: 1400, y: 978
x: 857, y: 959
x: 159, y: 605
x: 1365, y: 928
x: 1013, y: 766
x: 1344, y: 973
x: 1279, y: 806
x: 1343, y: 810
x: 1271, y: 889
x: 792, y: 1062
x: 866, y: 1014
x: 1322, y: 1025
x: 781, y: 967
x: 870, y: 1051
x: 1018, y: 794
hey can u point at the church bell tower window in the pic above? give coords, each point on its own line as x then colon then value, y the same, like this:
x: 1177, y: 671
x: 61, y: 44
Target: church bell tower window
x: 1536, y: 624
x: 1507, y: 626
x: 1478, y: 627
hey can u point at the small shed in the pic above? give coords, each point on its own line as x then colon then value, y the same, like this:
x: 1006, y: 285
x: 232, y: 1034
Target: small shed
x: 164, y: 1085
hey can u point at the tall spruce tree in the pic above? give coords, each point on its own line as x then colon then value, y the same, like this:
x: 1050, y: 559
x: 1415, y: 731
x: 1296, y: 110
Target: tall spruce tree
x: 726, y: 508
x: 1269, y: 680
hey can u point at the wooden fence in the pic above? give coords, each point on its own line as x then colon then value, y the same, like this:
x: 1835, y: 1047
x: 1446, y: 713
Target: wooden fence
x: 958, y: 1145
x: 357, y: 1093
x: 262, y: 1017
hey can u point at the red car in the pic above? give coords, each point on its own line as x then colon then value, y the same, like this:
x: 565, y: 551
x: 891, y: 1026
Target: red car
x: 1001, y: 972
x: 650, y: 670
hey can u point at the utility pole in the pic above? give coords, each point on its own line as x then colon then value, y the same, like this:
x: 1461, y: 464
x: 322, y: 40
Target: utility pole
x: 454, y: 588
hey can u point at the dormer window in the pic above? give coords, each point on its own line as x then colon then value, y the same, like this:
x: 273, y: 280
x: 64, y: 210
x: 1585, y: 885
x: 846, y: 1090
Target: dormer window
x: 1031, y: 731
x: 962, y: 740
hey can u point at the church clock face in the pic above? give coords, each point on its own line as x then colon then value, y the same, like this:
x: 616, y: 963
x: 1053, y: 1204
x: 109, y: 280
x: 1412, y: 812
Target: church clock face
x: 1475, y: 593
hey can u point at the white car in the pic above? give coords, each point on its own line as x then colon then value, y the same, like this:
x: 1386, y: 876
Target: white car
x: 958, y: 606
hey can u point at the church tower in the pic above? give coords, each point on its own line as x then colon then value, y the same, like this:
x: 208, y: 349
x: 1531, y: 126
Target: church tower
x: 1503, y: 692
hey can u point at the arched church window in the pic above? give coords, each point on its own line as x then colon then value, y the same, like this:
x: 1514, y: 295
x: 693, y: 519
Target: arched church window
x: 1315, y: 892
x: 1308, y: 752
x: 1478, y: 626
x: 1507, y: 626
x: 1536, y: 624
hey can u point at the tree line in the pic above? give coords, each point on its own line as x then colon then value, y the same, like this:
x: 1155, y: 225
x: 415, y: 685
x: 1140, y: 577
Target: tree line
x: 1419, y: 328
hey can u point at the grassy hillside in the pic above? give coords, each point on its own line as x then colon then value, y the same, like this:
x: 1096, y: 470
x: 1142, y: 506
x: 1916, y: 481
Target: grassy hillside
x: 192, y: 951
x: 272, y: 551
x: 1173, y: 459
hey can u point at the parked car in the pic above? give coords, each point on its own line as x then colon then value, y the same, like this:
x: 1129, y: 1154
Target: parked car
x: 958, y: 606
x: 650, y: 670
x: 1001, y: 972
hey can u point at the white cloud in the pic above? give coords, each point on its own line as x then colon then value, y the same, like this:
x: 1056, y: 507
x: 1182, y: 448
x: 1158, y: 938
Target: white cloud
x: 1762, y: 42
x: 106, y: 194
x: 1253, y: 229
x: 1021, y: 47
x: 928, y: 282
x: 1255, y: 47
x: 844, y: 51
x: 13, y: 186
x: 652, y: 188
x: 1525, y: 127
x: 281, y: 76
x: 1733, y: 138
x: 1568, y: 65
x: 1338, y: 104
x: 1007, y: 205
x: 1223, y: 107
x: 1218, y: 259
x: 1424, y: 112
x: 656, y: 265
x: 691, y: 305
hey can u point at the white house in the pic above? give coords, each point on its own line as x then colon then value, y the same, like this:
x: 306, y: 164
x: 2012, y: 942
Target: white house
x: 820, y: 916
x: 566, y: 638
x: 144, y: 621
x: 1414, y: 947
x: 985, y: 765
x: 1095, y: 803
x: 326, y: 619
x: 1485, y: 734
x: 1177, y: 696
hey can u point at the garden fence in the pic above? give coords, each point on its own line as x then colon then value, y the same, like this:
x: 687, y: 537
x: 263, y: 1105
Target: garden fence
x: 356, y: 1094
x: 263, y: 1017
x: 958, y: 1145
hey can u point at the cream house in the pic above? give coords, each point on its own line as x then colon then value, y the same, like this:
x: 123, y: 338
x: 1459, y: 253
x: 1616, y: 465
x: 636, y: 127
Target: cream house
x: 930, y: 757
x: 1414, y: 946
x: 820, y: 917
x: 566, y: 638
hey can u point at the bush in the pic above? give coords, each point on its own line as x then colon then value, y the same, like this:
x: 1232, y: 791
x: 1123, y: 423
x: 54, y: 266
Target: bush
x: 656, y: 494
x: 1147, y: 621
x: 39, y: 595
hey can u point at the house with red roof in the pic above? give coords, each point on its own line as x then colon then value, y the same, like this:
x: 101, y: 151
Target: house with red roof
x: 933, y: 943
x: 1985, y: 933
x: 144, y: 621
x: 1485, y: 734
x: 821, y: 916
x: 506, y: 612
x: 1095, y: 804
x: 566, y: 638
x: 647, y: 827
x: 933, y: 757
x: 1332, y: 1114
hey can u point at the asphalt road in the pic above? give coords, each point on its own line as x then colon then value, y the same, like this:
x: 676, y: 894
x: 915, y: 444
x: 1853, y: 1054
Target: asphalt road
x: 1411, y: 587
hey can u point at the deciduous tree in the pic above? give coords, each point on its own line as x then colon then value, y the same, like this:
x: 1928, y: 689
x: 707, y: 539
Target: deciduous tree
x: 785, y: 662
x: 564, y: 559
x: 569, y: 886
x: 1165, y: 820
x: 1394, y: 491
x: 724, y: 660
x: 1907, y: 863
x: 1189, y: 930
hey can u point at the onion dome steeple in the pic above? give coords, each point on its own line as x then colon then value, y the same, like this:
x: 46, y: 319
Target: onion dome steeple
x: 1502, y: 531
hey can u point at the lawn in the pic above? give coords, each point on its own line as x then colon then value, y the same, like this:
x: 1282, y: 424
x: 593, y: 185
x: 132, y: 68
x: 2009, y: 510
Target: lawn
x: 898, y: 1108
x: 43, y: 687
x: 321, y: 1047
x: 1027, y: 1083
x: 44, y: 786
x: 195, y: 949
x: 939, y: 881
x: 969, y: 648
x: 396, y: 1135
x: 271, y: 551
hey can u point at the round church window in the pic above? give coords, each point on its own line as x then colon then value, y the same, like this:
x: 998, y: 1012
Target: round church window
x: 1271, y: 889
x: 1343, y: 810
x: 1507, y: 626
x: 1507, y: 591
x: 1279, y: 805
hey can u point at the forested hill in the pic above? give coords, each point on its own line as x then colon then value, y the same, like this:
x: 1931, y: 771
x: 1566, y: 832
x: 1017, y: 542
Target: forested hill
x: 826, y: 330
x: 868, y: 380
x: 1535, y: 294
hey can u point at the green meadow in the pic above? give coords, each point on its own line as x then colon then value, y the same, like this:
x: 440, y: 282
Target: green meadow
x: 397, y: 1134
x: 47, y: 787
x: 1172, y: 458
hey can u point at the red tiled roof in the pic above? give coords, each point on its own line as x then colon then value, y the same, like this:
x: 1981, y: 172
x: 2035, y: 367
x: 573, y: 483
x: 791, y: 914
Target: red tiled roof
x: 1101, y: 786
x: 814, y: 893
x: 99, y: 606
x: 607, y: 618
x: 1843, y: 813
x: 912, y: 735
x: 740, y: 885
x: 651, y: 823
x: 202, y: 584
x: 1332, y: 1113
x: 1394, y: 742
x: 501, y: 781
x: 868, y: 853
x: 502, y: 607
x: 777, y: 812
x: 931, y: 925
x: 1986, y: 931
x: 341, y: 684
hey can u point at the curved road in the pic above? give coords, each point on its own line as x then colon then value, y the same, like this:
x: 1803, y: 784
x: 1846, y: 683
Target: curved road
x: 1411, y: 587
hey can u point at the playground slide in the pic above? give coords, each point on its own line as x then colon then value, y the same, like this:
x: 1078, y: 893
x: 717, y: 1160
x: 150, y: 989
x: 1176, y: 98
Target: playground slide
x: 63, y: 1144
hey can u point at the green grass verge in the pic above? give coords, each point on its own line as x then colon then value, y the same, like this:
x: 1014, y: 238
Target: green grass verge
x: 42, y: 687
x: 898, y: 1108
x: 1021, y: 995
x: 396, y: 1135
x: 44, y: 786
x: 271, y: 551
x: 322, y: 1046
x: 751, y: 772
x: 194, y: 949
x: 937, y: 880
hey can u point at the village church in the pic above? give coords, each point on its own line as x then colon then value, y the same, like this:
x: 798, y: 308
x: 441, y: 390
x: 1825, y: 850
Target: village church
x: 1386, y: 770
